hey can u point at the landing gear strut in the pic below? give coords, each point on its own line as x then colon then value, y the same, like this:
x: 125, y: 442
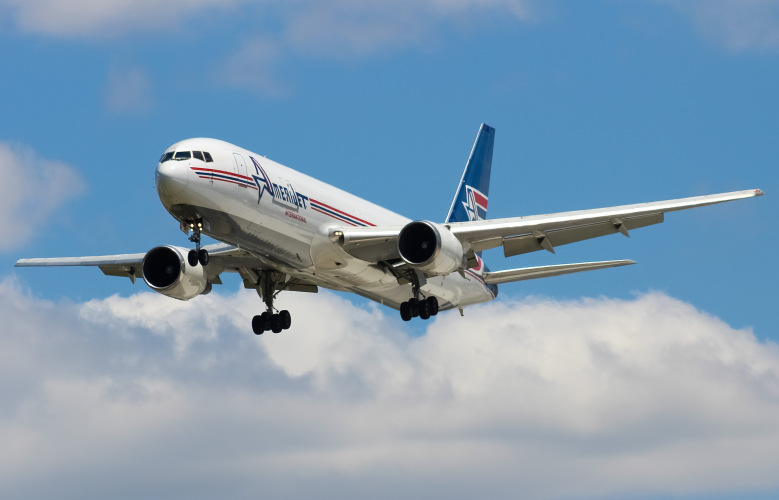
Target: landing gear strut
x: 270, y: 321
x: 418, y: 307
x: 198, y: 254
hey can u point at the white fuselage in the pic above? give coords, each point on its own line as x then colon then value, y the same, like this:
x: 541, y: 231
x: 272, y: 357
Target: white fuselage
x: 285, y: 219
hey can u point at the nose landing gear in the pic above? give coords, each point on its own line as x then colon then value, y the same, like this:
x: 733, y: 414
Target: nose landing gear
x: 198, y: 254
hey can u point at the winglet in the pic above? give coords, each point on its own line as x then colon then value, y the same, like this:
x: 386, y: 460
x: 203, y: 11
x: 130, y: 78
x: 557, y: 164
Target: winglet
x: 470, y: 201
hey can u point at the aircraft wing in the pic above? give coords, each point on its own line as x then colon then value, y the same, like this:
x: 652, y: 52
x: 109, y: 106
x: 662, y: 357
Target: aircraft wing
x: 128, y: 265
x: 222, y: 258
x: 520, y: 235
x: 527, y: 234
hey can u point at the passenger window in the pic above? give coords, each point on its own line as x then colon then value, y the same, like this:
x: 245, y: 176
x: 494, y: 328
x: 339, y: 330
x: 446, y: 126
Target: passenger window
x: 198, y: 155
x: 207, y: 156
x: 167, y: 156
x: 182, y: 155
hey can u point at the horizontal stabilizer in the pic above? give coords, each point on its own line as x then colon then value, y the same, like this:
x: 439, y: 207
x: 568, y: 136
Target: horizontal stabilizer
x: 530, y: 273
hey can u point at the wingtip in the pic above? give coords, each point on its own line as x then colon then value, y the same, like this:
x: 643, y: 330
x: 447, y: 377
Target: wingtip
x: 759, y: 192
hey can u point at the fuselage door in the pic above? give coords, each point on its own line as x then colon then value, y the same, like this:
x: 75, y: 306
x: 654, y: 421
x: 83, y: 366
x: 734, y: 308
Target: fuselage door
x: 240, y: 164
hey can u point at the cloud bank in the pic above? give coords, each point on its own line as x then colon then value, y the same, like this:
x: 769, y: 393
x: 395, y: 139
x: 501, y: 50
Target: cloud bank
x: 32, y: 188
x: 145, y: 396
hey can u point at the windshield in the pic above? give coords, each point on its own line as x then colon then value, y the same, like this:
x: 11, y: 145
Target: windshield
x: 186, y: 155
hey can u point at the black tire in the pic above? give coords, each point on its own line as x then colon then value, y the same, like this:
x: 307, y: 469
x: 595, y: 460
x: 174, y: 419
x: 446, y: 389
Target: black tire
x: 192, y: 258
x: 405, y: 311
x: 286, y: 319
x: 265, y: 318
x: 258, y: 326
x: 424, y: 309
x: 202, y: 257
x: 275, y: 323
x: 414, y: 307
x: 433, y: 303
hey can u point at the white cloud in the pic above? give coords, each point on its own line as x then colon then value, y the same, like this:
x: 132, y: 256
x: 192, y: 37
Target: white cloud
x: 336, y: 29
x: 148, y: 396
x: 31, y: 190
x: 253, y: 66
x: 352, y: 27
x: 363, y: 22
x: 346, y: 29
x: 737, y: 25
x: 87, y: 18
x: 128, y: 90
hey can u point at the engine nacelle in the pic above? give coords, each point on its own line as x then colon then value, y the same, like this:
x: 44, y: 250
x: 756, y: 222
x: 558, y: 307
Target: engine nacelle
x: 166, y: 270
x: 431, y: 248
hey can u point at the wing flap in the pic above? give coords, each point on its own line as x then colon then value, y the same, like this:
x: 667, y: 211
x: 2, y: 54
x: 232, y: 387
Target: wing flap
x: 538, y: 240
x: 123, y: 271
x: 530, y: 273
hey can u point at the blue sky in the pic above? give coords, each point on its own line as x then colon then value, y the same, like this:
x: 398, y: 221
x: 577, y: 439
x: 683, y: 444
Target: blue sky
x: 595, y: 104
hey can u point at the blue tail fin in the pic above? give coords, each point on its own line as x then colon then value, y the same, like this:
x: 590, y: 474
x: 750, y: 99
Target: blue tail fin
x: 470, y: 202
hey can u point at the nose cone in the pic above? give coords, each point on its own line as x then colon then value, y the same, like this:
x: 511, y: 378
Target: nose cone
x: 171, y: 178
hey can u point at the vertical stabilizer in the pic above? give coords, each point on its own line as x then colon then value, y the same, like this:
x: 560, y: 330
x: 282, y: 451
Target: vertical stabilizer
x: 470, y: 201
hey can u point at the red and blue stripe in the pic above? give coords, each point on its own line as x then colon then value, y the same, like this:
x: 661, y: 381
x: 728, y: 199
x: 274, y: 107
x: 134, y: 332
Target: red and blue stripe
x: 340, y: 215
x: 225, y: 176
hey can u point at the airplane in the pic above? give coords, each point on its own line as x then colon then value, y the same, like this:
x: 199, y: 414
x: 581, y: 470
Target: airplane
x: 282, y: 230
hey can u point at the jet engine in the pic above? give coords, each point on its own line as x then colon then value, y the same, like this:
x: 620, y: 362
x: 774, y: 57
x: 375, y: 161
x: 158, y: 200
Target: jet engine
x: 431, y: 248
x: 166, y: 270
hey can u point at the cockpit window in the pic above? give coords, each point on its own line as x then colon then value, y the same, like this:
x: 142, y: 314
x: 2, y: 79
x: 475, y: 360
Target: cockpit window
x: 182, y: 155
x: 198, y: 155
x: 167, y: 156
x: 207, y: 156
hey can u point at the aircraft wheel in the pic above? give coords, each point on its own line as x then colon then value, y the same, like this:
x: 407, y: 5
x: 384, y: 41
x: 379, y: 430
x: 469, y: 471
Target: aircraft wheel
x: 275, y: 323
x: 433, y: 305
x: 405, y: 311
x: 192, y: 258
x: 414, y: 307
x: 286, y: 319
x: 202, y: 257
x: 424, y: 309
x: 265, y: 319
x: 258, y: 326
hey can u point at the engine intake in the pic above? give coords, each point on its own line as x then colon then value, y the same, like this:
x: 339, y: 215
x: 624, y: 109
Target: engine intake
x: 431, y: 248
x: 166, y: 270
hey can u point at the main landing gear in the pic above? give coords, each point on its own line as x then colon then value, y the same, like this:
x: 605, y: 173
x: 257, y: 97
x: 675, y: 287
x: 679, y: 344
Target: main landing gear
x: 423, y: 308
x: 270, y: 321
x: 198, y: 254
x: 418, y: 307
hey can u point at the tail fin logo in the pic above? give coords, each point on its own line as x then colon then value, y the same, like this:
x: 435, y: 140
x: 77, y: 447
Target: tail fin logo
x: 475, y: 204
